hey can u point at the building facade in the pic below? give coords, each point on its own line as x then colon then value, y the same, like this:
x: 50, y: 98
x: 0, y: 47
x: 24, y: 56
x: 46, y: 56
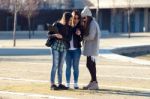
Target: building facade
x: 117, y: 21
x: 113, y: 14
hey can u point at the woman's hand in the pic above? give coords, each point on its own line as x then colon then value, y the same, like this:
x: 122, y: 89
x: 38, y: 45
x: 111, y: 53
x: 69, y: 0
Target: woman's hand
x: 78, y: 32
x: 59, y: 36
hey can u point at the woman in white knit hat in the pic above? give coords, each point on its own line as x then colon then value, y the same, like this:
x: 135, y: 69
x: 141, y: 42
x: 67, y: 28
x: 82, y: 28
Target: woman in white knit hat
x: 90, y: 45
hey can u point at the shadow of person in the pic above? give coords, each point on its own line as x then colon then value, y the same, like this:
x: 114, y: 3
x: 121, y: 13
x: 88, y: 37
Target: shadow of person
x: 117, y: 92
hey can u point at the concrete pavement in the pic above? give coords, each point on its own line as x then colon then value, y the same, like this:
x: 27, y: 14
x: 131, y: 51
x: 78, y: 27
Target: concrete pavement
x: 24, y: 71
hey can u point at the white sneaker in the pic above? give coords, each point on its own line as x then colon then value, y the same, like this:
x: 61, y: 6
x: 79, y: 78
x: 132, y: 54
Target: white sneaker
x: 76, y: 86
x: 68, y: 85
x: 87, y: 86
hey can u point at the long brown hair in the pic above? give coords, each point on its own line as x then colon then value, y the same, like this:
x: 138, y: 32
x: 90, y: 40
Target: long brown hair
x: 87, y: 26
x: 76, y: 12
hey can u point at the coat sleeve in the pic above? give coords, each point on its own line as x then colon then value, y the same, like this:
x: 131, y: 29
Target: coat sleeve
x: 67, y: 36
x: 92, y: 32
x: 52, y: 32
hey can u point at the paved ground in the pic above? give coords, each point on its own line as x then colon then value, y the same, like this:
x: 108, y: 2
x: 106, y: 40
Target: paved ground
x: 24, y: 71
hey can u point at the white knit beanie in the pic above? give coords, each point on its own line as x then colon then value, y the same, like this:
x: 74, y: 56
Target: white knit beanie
x: 86, y: 12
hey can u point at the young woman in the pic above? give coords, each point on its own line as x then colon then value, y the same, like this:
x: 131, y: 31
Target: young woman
x: 74, y: 51
x: 59, y: 48
x: 90, y: 45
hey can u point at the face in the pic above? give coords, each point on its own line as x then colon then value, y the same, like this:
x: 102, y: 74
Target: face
x: 70, y: 20
x: 75, y: 19
x: 84, y: 20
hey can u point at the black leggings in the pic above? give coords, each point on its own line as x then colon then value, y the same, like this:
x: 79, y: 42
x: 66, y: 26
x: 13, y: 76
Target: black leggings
x: 91, y: 65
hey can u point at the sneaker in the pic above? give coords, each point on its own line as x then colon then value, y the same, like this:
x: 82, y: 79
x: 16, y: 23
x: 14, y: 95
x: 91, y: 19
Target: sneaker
x: 87, y: 86
x: 76, y: 86
x: 68, y: 85
x: 93, y: 86
x: 62, y: 87
x: 54, y: 87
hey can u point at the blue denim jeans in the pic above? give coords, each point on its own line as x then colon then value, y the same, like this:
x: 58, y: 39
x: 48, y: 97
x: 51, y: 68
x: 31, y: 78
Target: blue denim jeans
x: 58, y: 61
x: 72, y: 59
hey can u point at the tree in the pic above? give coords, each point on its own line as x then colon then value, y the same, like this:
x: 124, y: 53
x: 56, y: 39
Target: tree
x: 29, y: 10
x: 12, y: 6
x: 15, y: 6
x: 4, y: 4
x: 25, y: 7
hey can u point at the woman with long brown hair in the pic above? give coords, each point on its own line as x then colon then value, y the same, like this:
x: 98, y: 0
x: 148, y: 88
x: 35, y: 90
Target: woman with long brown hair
x: 74, y: 51
x: 90, y: 45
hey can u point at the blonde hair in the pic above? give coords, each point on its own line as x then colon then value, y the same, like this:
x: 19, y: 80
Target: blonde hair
x: 66, y: 18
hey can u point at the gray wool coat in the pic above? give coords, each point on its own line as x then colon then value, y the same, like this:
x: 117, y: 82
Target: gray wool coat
x: 91, y: 42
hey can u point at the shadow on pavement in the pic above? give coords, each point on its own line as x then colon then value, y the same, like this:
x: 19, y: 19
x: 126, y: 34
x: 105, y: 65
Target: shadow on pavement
x: 116, y: 92
x: 126, y: 35
x: 124, y: 92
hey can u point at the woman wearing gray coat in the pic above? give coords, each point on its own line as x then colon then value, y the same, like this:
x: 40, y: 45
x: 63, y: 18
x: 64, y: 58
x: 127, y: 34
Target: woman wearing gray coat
x: 90, y: 45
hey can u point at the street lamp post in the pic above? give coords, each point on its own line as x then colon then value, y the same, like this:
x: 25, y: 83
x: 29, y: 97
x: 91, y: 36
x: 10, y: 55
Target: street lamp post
x: 129, y: 30
x: 44, y: 5
x: 97, y: 11
x: 129, y: 11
